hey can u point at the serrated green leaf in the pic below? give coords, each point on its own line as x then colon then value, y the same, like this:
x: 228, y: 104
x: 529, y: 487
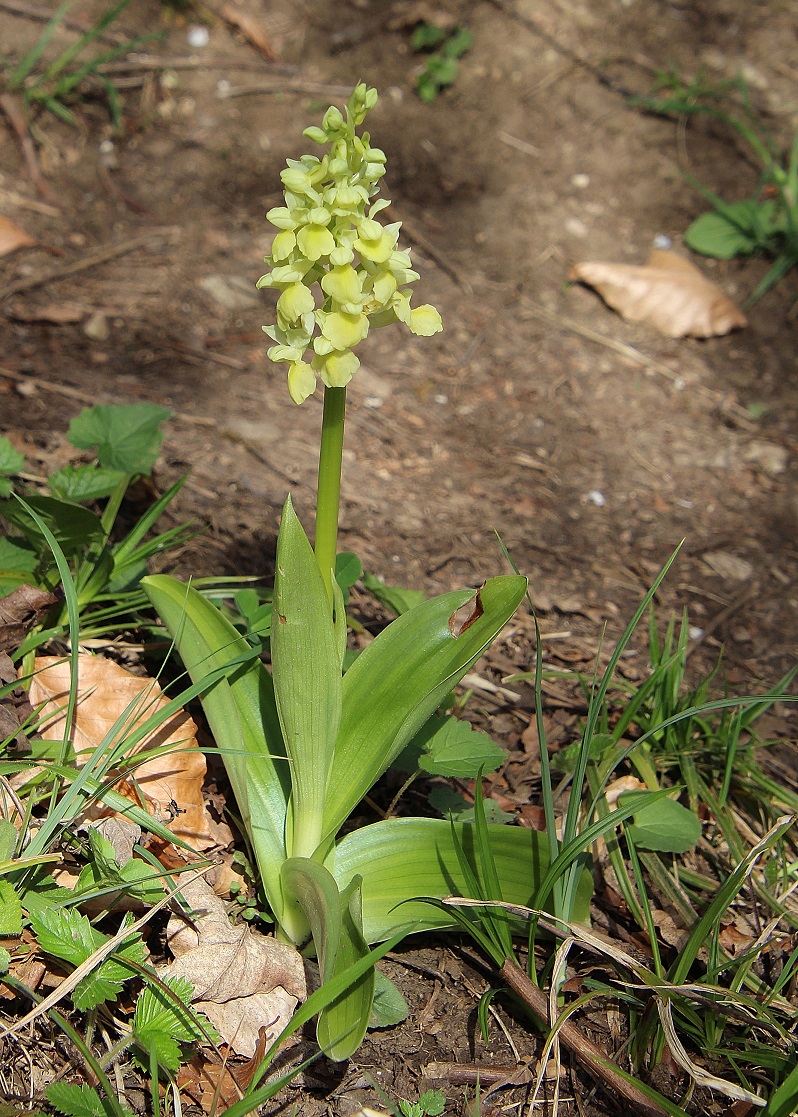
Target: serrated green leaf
x: 67, y: 934
x: 11, y: 460
x: 389, y: 1006
x: 664, y: 825
x: 126, y: 436
x: 395, y: 598
x: 161, y: 1024
x: 77, y: 1101
x: 452, y: 747
x: 84, y: 482
x: 10, y: 910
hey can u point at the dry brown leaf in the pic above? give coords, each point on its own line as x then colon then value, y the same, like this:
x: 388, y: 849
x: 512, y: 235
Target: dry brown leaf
x: 12, y: 237
x: 169, y: 785
x: 218, y: 1085
x: 668, y: 292
x: 250, y: 28
x: 242, y: 980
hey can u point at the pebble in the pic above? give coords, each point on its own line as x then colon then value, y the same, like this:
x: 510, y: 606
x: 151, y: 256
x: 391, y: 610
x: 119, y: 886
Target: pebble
x: 233, y: 292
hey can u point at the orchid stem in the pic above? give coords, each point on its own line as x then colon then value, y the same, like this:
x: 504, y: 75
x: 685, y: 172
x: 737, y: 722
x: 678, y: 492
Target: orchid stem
x: 329, y: 489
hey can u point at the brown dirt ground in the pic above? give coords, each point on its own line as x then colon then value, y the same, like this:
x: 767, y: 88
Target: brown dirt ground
x: 534, y: 399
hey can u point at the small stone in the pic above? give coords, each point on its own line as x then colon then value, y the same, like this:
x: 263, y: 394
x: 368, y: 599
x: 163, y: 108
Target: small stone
x: 597, y: 498
x: 580, y: 181
x: 198, y: 37
x: 768, y: 456
x: 576, y: 227
x: 233, y: 292
x: 96, y: 327
x: 728, y: 566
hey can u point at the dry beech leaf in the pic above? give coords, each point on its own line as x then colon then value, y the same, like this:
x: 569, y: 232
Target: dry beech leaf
x: 242, y: 980
x: 668, y: 292
x: 170, y: 784
x: 12, y: 237
x: 250, y: 28
x: 218, y: 1085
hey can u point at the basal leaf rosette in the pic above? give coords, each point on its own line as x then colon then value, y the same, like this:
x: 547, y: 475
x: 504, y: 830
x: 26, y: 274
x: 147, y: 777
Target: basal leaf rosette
x: 338, y: 269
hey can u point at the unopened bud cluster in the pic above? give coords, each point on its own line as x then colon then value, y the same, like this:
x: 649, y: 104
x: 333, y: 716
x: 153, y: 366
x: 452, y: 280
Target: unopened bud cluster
x: 329, y: 237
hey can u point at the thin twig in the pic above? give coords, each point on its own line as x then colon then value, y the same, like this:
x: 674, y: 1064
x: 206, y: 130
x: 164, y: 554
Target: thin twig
x: 98, y: 256
x: 12, y: 106
x: 584, y: 1050
x: 92, y: 397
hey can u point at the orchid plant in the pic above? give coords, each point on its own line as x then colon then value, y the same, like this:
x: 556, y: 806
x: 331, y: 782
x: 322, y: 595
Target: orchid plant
x: 304, y: 743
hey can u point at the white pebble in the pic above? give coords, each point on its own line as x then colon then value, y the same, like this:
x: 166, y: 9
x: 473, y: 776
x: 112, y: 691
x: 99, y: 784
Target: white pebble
x: 198, y: 36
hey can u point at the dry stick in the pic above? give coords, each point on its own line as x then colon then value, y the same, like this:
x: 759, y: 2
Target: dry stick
x: 91, y: 397
x: 11, y: 105
x: 306, y: 88
x: 720, y: 618
x: 718, y: 399
x: 584, y: 1050
x: 42, y: 15
x: 99, y: 256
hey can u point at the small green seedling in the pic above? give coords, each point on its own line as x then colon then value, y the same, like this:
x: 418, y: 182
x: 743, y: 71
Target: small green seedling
x: 441, y: 67
x: 431, y: 1104
x: 765, y: 223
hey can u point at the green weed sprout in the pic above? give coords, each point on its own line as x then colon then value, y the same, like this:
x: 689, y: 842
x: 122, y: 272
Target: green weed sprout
x: 767, y: 222
x: 305, y: 743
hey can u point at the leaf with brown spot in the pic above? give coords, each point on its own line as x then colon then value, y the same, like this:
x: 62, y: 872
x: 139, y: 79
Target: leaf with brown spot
x: 668, y: 293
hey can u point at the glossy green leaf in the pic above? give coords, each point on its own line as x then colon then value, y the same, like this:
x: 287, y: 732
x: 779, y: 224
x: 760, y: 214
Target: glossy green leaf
x: 713, y: 234
x: 397, y: 682
x: 403, y: 859
x: 242, y: 714
x: 336, y: 925
x: 306, y: 661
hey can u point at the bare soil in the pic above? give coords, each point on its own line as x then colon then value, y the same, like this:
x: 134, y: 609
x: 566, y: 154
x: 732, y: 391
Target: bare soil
x: 591, y: 445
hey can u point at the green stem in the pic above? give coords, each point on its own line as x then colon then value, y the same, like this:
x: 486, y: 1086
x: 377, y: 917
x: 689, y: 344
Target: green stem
x: 329, y: 490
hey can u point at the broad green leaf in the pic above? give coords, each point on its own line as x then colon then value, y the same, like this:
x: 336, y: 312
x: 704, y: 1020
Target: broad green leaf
x: 242, y: 714
x: 663, y: 825
x: 74, y: 527
x: 395, y: 598
x: 335, y: 920
x: 398, y: 681
x: 403, y: 859
x: 11, y: 460
x: 306, y: 667
x: 713, y: 234
x: 5, y: 963
x: 10, y: 910
x: 452, y: 747
x: 425, y: 36
x: 460, y: 42
x: 389, y: 1006
x: 348, y: 568
x: 84, y: 482
x: 126, y: 436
